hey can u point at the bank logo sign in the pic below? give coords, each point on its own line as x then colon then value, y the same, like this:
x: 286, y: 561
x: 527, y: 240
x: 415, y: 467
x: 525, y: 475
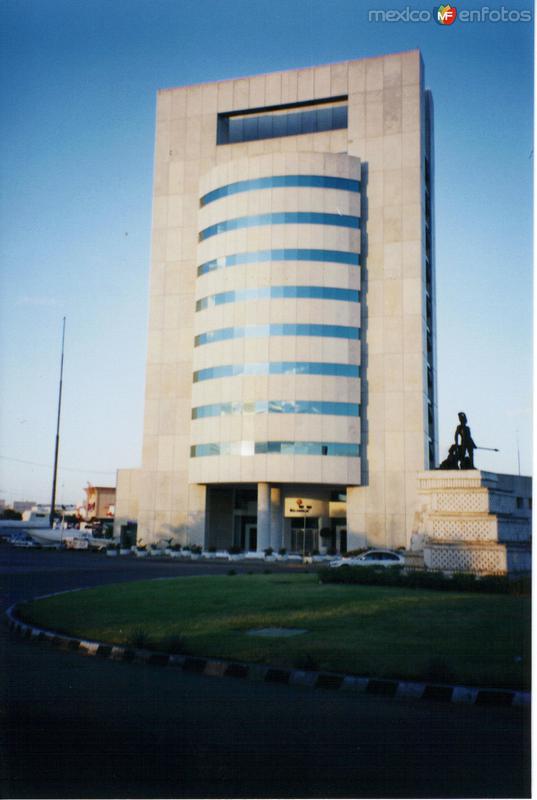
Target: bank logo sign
x: 445, y: 15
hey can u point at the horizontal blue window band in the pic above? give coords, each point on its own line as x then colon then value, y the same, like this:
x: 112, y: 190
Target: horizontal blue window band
x: 286, y: 254
x: 279, y: 292
x: 277, y: 407
x: 277, y: 329
x: 281, y: 218
x: 277, y: 181
x: 248, y: 448
x: 278, y: 368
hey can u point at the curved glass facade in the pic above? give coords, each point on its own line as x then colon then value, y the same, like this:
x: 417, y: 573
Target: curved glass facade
x: 278, y: 368
x: 280, y: 218
x: 277, y: 407
x: 248, y: 448
x: 279, y: 292
x: 285, y: 254
x: 277, y: 329
x: 276, y: 181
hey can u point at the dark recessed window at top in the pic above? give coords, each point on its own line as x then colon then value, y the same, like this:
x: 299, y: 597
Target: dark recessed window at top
x: 275, y: 123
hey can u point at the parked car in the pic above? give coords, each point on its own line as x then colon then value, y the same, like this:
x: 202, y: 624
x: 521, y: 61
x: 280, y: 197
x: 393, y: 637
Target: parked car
x: 373, y: 558
x: 22, y: 541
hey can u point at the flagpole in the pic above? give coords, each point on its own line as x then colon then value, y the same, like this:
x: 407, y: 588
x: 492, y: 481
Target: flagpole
x: 57, y: 448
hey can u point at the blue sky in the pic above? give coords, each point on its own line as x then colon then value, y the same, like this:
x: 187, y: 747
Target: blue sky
x: 78, y: 81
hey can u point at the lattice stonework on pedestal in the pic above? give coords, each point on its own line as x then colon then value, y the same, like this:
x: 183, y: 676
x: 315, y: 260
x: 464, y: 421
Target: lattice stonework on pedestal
x: 472, y: 502
x: 458, y: 558
x: 467, y: 530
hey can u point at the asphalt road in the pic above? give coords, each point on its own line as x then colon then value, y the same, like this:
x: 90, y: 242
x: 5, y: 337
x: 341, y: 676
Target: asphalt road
x: 82, y: 727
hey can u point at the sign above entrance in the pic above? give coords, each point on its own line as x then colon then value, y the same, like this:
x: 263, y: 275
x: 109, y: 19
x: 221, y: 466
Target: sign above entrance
x: 304, y: 506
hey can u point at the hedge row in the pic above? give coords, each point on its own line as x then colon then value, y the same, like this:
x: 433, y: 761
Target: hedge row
x: 421, y: 579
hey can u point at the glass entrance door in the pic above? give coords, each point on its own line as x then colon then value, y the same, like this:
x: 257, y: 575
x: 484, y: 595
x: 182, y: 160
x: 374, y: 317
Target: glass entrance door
x: 305, y: 541
x: 250, y: 537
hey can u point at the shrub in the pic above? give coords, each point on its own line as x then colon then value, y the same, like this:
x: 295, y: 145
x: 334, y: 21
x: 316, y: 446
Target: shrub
x: 141, y: 640
x: 235, y: 549
x: 196, y: 548
x: 282, y: 551
x: 174, y: 644
x: 268, y: 551
x: 211, y: 549
x: 424, y: 579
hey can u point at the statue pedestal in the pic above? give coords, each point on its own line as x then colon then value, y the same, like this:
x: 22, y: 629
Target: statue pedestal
x: 473, y: 521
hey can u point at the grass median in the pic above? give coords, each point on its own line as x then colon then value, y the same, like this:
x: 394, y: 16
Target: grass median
x: 379, y: 631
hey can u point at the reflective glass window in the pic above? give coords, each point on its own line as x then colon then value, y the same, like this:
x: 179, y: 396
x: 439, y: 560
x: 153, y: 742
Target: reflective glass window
x: 275, y: 181
x: 249, y: 127
x: 277, y: 329
x: 280, y: 218
x: 279, y: 292
x: 277, y: 407
x: 249, y: 448
x: 287, y: 254
x: 278, y: 368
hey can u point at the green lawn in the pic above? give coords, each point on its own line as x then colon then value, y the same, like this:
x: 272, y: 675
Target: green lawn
x: 365, y: 630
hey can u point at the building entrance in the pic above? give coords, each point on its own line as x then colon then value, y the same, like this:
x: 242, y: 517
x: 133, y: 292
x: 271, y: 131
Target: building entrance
x: 249, y: 538
x: 305, y: 540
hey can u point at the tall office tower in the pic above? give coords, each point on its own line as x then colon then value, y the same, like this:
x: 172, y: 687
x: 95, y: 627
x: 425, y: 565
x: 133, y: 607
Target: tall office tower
x: 290, y: 390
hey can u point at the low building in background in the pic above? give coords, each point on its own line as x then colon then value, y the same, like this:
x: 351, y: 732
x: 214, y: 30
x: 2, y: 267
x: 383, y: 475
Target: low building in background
x: 23, y: 505
x: 100, y: 502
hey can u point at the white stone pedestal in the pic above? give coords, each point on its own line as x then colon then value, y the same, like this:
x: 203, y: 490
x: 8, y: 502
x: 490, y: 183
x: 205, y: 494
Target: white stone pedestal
x: 473, y: 521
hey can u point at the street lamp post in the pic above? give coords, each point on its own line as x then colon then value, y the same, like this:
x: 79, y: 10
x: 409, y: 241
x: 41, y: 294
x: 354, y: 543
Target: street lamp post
x: 307, y: 509
x: 57, y: 447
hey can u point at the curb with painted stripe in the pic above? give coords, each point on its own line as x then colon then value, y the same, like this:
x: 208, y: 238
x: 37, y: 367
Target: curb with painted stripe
x: 218, y: 668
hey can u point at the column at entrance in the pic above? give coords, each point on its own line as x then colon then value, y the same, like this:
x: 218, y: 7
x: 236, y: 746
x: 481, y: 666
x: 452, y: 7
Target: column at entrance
x: 263, y: 516
x: 275, y: 518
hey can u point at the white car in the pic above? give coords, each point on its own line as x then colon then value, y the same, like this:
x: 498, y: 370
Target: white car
x: 373, y: 558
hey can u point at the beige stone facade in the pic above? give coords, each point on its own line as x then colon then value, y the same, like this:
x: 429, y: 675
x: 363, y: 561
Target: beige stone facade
x: 292, y: 281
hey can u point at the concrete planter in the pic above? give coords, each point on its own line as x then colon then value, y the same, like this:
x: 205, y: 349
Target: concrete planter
x: 111, y: 553
x: 125, y: 551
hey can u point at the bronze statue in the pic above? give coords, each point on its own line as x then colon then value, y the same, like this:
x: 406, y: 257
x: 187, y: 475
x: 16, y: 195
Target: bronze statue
x: 452, y: 460
x: 464, y: 443
x: 461, y: 454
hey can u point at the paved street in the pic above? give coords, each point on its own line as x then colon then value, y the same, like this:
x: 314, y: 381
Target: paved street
x: 81, y: 727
